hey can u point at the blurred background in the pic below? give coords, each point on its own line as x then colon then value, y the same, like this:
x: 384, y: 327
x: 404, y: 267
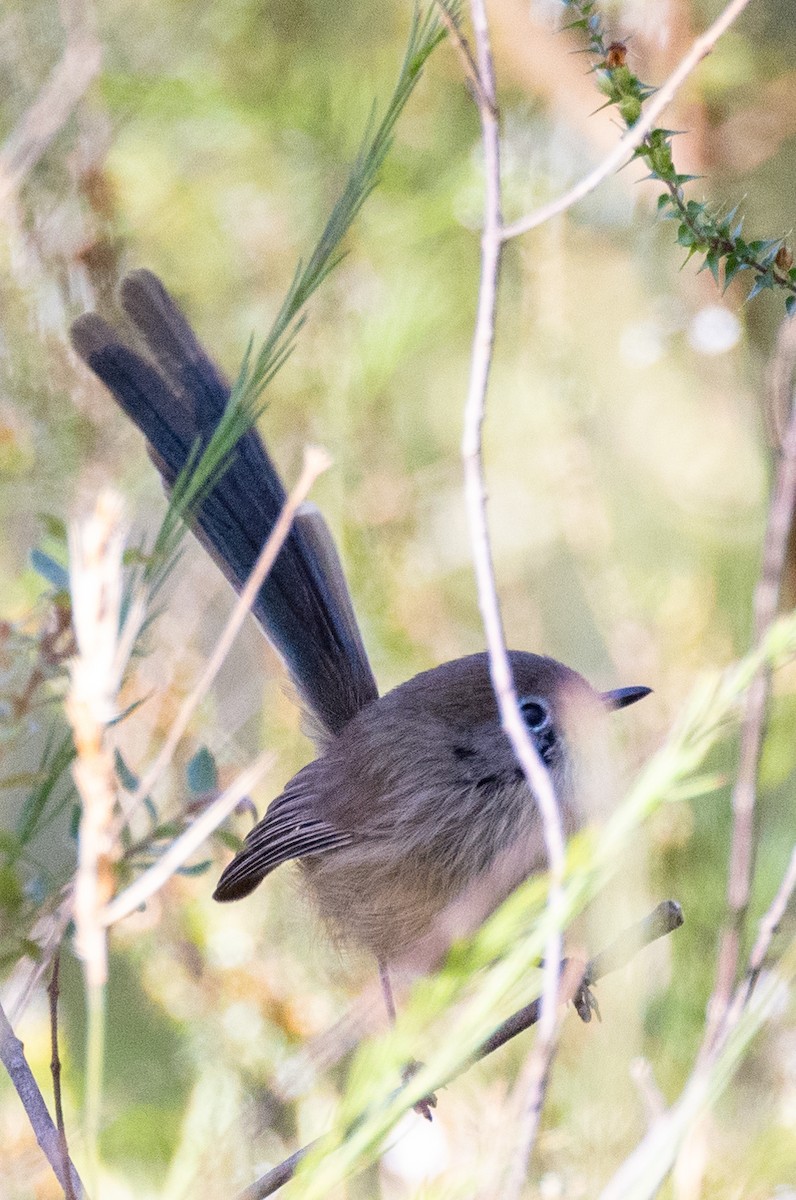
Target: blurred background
x: 628, y: 456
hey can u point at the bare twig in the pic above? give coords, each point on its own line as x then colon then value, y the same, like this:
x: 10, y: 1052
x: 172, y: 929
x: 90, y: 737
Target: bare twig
x: 744, y: 797
x: 184, y: 846
x: 51, y: 109
x: 769, y: 925
x: 12, y: 1055
x: 643, y: 1077
x: 316, y: 461
x: 667, y: 917
x: 475, y: 495
x: 636, y: 134
x: 55, y: 1069
x: 641, y: 1174
x: 462, y: 48
x: 664, y: 920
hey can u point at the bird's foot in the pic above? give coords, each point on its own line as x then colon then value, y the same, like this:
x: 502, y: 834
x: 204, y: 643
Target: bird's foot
x: 585, y: 1003
x: 424, y: 1106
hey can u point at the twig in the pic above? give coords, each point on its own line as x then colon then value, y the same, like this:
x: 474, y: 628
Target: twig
x: 12, y: 1055
x: 55, y: 1069
x: 768, y: 927
x: 462, y: 48
x: 665, y: 919
x: 276, y: 1178
x: 183, y: 847
x: 744, y: 796
x: 643, y: 1171
x: 534, y: 770
x: 636, y: 134
x: 316, y: 461
x: 50, y: 111
x: 652, y: 1099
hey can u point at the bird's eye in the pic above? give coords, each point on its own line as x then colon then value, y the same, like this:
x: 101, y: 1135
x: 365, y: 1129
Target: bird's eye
x: 535, y: 712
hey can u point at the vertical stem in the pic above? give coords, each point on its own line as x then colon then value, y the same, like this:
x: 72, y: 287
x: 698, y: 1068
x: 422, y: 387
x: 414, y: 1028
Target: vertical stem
x: 475, y: 491
x: 95, y: 1054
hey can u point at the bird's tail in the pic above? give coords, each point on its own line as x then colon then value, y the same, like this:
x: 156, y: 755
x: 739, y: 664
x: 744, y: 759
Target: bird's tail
x: 176, y: 396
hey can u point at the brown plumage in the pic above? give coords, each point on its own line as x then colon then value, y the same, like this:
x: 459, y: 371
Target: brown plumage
x: 415, y: 807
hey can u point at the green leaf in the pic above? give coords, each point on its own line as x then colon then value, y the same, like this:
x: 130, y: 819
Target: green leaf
x: 127, y: 779
x: 235, y: 843
x: 54, y: 527
x: 712, y: 263
x: 197, y: 868
x: 167, y: 831
x: 201, y: 772
x: 761, y: 284
x: 54, y: 572
x: 790, y: 305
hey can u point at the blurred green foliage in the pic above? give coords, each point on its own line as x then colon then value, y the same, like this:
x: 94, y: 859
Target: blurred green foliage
x: 628, y: 470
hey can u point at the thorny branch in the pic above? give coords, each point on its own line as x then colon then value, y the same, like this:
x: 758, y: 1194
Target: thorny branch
x: 637, y: 133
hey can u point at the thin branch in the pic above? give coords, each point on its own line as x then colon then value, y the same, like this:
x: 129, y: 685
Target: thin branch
x: 316, y: 461
x: 769, y: 925
x: 52, y: 108
x: 744, y: 796
x: 664, y: 920
x: 667, y: 917
x: 55, y: 1069
x: 462, y: 47
x: 641, y: 1174
x: 636, y: 134
x: 12, y: 1055
x: 533, y: 768
x: 184, y: 846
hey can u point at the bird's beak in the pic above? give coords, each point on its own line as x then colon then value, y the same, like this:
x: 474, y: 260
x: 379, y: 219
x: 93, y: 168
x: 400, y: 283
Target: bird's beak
x: 621, y: 697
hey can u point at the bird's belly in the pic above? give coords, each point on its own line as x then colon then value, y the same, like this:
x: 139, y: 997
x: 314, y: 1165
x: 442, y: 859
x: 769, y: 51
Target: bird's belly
x: 420, y: 903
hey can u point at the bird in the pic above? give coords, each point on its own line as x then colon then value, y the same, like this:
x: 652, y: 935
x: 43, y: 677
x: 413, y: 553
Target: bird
x: 415, y: 805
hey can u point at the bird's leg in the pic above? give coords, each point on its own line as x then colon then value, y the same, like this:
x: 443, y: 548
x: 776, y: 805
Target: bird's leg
x: 386, y: 990
x: 424, y: 1106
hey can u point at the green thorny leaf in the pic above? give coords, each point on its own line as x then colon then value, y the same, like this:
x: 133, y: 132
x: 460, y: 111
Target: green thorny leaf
x: 700, y: 230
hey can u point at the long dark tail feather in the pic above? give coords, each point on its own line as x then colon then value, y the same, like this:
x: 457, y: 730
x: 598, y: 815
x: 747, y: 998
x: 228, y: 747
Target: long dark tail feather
x: 177, y: 400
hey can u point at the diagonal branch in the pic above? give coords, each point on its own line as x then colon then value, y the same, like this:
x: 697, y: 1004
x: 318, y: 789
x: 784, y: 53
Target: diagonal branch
x: 12, y: 1055
x: 52, y: 108
x: 663, y: 920
x: 636, y: 134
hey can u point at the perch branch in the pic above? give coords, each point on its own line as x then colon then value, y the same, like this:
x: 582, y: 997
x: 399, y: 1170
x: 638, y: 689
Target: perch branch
x: 663, y: 920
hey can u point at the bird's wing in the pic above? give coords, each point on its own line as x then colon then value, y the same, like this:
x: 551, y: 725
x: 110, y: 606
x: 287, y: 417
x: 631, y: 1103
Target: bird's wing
x: 289, y: 829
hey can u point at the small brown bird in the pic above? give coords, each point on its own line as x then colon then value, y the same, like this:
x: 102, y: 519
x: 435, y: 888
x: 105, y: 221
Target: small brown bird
x: 415, y: 799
